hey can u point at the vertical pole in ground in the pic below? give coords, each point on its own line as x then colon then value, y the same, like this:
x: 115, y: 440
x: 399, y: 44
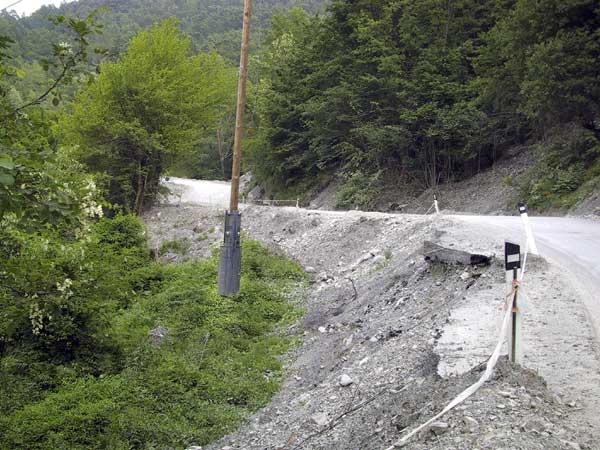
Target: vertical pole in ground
x: 531, y: 247
x: 436, y: 204
x: 231, y: 252
x: 512, y: 256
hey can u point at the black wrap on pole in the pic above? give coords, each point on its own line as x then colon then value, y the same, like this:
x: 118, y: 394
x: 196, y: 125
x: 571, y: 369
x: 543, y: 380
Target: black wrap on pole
x: 231, y: 255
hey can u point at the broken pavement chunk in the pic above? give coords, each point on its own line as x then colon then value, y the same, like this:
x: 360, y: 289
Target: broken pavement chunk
x: 436, y: 253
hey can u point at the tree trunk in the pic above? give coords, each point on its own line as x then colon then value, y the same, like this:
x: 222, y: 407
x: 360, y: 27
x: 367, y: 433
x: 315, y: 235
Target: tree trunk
x: 139, y: 196
x: 221, y: 153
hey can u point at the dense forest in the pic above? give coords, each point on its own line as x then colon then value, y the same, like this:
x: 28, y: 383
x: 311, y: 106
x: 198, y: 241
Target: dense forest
x: 421, y: 92
x: 211, y: 25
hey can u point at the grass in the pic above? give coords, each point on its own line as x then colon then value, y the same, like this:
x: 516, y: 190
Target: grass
x: 178, y: 246
x: 220, y: 362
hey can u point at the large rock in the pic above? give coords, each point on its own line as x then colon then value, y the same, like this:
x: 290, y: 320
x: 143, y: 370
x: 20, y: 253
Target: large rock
x: 256, y: 194
x: 436, y: 253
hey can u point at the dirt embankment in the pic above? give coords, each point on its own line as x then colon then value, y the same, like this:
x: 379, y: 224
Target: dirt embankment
x: 494, y: 191
x: 376, y: 327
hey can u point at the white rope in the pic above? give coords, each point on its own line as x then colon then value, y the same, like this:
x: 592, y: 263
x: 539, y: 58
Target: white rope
x: 488, y: 370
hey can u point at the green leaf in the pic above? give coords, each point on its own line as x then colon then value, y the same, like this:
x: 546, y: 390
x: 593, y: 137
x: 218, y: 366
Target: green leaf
x: 6, y: 179
x: 55, y: 101
x: 7, y: 163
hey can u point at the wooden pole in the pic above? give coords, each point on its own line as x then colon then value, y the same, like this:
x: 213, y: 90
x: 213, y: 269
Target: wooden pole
x: 241, y: 105
x: 231, y: 253
x: 515, y: 339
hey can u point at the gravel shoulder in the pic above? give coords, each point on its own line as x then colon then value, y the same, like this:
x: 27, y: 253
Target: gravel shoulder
x: 381, y: 328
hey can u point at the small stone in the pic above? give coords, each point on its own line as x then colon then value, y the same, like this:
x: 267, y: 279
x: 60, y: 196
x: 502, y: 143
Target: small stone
x: 374, y: 339
x: 194, y: 447
x: 322, y: 330
x: 227, y: 448
x: 320, y: 419
x: 323, y: 276
x: 505, y: 394
x: 465, y: 276
x: 501, y: 406
x: 471, y: 423
x: 310, y: 269
x: 573, y: 445
x: 346, y: 381
x: 438, y: 428
x: 363, y: 361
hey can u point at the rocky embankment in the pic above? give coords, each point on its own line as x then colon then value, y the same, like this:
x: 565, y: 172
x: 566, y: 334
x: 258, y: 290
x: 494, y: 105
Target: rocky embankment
x: 374, y: 339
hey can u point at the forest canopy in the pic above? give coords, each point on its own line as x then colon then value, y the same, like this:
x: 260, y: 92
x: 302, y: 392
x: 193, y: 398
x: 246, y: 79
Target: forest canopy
x: 427, y: 91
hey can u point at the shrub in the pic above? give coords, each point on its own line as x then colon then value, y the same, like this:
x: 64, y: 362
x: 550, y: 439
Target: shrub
x: 220, y: 361
x: 359, y: 190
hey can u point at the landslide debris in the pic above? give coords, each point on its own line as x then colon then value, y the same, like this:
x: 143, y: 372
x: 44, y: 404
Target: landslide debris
x: 366, y: 370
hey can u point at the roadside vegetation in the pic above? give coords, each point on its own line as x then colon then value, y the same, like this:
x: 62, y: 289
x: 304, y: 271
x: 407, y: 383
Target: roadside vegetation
x: 78, y: 367
x: 102, y: 346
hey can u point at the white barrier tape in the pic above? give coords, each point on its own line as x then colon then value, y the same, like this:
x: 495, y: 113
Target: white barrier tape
x: 489, y: 369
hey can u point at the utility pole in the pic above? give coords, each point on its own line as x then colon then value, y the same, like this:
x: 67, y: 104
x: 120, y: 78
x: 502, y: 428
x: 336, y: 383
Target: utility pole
x: 231, y: 252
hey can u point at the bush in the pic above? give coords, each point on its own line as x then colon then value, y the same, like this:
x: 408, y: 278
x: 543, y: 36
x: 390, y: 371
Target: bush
x: 359, y: 190
x: 219, y: 362
x: 569, y: 164
x: 57, y: 298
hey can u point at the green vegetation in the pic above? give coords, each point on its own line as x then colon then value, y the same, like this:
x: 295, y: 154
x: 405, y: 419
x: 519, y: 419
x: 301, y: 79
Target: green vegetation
x: 179, y: 246
x: 79, y: 292
x: 79, y: 371
x: 146, y: 110
x: 425, y: 91
x: 569, y: 170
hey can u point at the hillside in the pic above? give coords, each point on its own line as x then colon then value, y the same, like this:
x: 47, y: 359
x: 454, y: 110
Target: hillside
x: 212, y: 25
x: 414, y: 95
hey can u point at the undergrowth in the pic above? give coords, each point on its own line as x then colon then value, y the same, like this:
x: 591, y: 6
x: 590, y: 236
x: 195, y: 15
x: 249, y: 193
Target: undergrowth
x: 108, y: 385
x: 568, y: 172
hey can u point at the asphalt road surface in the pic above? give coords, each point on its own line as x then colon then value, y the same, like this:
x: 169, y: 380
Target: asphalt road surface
x: 570, y: 243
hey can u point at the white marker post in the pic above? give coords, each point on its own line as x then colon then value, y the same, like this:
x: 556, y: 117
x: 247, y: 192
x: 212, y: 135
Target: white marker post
x: 531, y: 247
x: 512, y: 262
x: 436, y: 205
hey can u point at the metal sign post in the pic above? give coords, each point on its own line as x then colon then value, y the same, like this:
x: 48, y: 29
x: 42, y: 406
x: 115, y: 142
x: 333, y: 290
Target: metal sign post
x: 512, y: 262
x: 531, y: 247
x: 231, y: 252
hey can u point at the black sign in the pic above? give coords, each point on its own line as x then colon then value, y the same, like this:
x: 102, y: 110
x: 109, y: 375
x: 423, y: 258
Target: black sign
x: 512, y: 256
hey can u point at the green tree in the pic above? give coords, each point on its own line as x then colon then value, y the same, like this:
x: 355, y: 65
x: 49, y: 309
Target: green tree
x: 145, y: 110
